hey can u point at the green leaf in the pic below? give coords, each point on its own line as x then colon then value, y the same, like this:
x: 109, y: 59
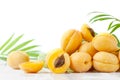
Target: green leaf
x: 94, y: 12
x: 3, y: 58
x: 6, y: 42
x: 12, y: 43
x: 21, y: 45
x: 29, y: 47
x: 101, y: 19
x: 33, y: 53
x: 99, y: 16
x: 115, y: 28
x: 117, y: 40
x: 110, y: 25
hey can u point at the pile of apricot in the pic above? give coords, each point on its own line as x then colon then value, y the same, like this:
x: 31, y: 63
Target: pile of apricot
x: 83, y: 50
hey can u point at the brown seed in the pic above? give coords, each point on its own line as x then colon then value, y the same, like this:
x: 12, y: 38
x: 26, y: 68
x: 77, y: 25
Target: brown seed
x: 59, y: 61
x: 91, y: 31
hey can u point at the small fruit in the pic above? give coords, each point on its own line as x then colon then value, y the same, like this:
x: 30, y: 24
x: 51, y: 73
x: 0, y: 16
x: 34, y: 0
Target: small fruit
x: 105, y: 62
x: 31, y: 67
x: 71, y: 40
x: 88, y: 47
x: 17, y: 57
x: 80, y: 62
x: 87, y: 32
x: 58, y: 61
x: 105, y: 42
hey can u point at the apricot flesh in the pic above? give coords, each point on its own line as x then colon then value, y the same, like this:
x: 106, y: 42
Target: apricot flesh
x: 71, y: 40
x: 17, y: 57
x: 87, y: 32
x: 80, y: 62
x: 87, y: 47
x: 105, y: 62
x: 31, y: 67
x: 105, y: 42
x: 58, y: 61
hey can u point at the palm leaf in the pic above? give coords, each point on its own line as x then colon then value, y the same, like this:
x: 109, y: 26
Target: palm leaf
x: 110, y: 25
x: 6, y: 42
x: 102, y: 19
x: 33, y: 53
x: 115, y: 28
x: 117, y: 40
x: 29, y: 47
x: 99, y: 16
x: 21, y: 45
x: 12, y: 43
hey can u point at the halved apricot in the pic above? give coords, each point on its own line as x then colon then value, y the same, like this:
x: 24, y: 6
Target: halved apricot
x: 58, y: 61
x: 31, y: 67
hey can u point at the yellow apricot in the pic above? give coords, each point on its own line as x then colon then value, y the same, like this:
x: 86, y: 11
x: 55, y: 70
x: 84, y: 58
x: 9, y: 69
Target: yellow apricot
x: 88, y: 47
x: 17, y: 57
x: 80, y: 62
x: 71, y: 40
x: 58, y: 61
x: 105, y: 62
x: 87, y: 32
x: 105, y: 42
x: 31, y: 67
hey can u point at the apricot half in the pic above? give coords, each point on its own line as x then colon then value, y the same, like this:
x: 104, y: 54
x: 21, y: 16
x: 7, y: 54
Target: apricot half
x: 105, y: 42
x: 58, y: 61
x: 17, y: 57
x: 31, y: 67
x: 87, y: 32
x: 105, y: 62
x: 80, y: 61
x: 87, y: 47
x: 71, y: 40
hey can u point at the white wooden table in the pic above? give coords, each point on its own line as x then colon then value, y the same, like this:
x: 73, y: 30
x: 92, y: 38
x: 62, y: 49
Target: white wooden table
x: 7, y: 73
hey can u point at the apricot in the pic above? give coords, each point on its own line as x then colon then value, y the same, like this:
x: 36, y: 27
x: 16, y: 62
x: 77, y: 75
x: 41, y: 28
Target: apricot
x: 119, y: 55
x: 105, y: 42
x: 105, y: 62
x: 32, y: 66
x: 71, y: 40
x: 17, y: 57
x: 87, y: 32
x: 58, y: 61
x: 80, y: 62
x: 87, y: 47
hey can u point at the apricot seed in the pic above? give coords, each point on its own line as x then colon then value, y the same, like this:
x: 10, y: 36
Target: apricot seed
x: 17, y: 57
x: 105, y: 62
x: 88, y: 47
x: 71, y: 40
x: 31, y: 67
x: 80, y: 62
x: 87, y: 32
x: 105, y: 42
x: 58, y: 61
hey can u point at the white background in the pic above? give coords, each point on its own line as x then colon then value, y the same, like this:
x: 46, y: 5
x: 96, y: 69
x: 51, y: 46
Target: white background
x: 46, y: 20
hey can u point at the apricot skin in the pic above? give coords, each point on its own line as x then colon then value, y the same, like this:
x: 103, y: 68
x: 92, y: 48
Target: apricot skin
x: 17, y: 57
x: 105, y: 42
x: 71, y: 40
x: 105, y: 62
x: 59, y: 67
x: 88, y: 47
x: 86, y: 33
x: 80, y: 62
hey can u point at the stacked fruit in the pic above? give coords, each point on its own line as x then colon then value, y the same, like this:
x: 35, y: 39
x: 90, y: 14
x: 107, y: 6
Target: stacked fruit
x: 84, y: 50
x: 80, y: 51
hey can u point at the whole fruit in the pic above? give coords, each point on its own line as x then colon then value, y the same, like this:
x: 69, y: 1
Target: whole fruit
x: 71, y: 40
x: 80, y: 61
x: 17, y: 57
